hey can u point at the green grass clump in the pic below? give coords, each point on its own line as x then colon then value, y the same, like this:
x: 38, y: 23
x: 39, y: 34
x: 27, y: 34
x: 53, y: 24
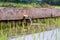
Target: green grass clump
x: 58, y: 7
x: 21, y: 5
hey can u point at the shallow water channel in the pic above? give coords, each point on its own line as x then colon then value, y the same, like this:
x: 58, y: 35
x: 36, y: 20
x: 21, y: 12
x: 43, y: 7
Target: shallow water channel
x: 46, y: 35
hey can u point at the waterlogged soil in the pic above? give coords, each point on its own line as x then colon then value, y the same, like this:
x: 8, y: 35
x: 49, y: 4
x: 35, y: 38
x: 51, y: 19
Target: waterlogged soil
x: 46, y: 35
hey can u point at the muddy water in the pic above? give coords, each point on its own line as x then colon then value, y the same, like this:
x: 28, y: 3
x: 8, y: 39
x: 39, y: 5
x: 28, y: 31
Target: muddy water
x: 47, y: 35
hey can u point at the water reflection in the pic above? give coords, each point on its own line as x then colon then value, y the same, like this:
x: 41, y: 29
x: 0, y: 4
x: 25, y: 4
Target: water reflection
x: 47, y: 35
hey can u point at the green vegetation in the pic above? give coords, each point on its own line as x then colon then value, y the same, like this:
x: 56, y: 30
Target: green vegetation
x: 3, y: 37
x: 52, y: 2
x: 57, y: 7
x: 29, y: 3
x: 21, y: 5
x: 10, y: 28
x: 15, y: 28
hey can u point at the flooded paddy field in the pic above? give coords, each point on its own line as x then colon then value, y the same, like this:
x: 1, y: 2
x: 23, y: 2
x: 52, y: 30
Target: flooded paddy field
x: 14, y: 28
x: 46, y: 35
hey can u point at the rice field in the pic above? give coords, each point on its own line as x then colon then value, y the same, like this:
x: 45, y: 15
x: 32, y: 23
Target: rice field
x: 16, y: 28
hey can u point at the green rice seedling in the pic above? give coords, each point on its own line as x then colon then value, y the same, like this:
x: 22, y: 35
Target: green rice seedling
x: 14, y: 28
x: 34, y: 20
x: 3, y: 37
x: 10, y: 29
x: 1, y: 28
x: 11, y: 26
x: 23, y: 28
x: 43, y: 27
x: 33, y: 31
x: 58, y: 22
x: 29, y: 29
x: 52, y: 21
x: 39, y: 28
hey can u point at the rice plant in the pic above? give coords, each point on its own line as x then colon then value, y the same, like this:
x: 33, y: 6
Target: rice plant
x: 15, y: 28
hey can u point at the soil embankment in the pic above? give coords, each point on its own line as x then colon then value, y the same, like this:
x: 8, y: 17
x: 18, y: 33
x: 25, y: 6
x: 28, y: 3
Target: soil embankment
x: 18, y: 13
